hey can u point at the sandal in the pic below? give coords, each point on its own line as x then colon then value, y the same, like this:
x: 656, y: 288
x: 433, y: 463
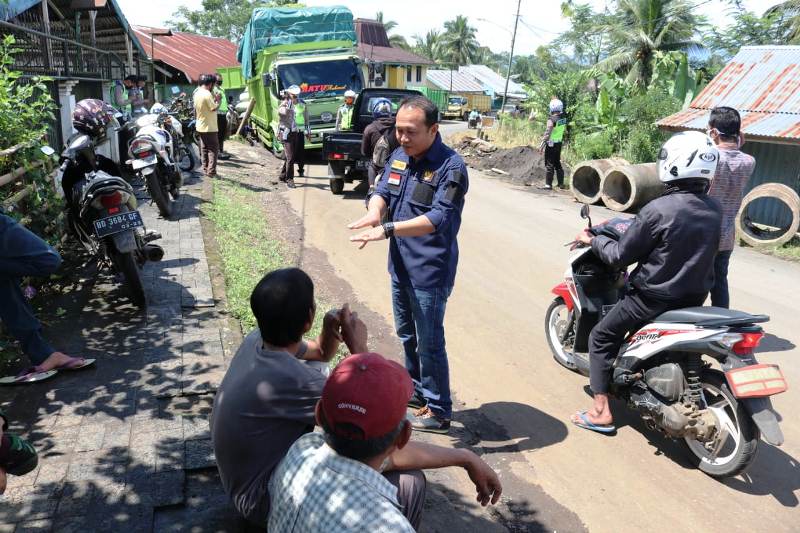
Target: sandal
x: 585, y: 423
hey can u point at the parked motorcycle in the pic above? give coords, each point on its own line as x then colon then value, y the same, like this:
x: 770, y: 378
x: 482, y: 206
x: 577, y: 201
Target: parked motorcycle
x: 182, y: 108
x: 102, y: 213
x: 660, y: 370
x: 154, y: 154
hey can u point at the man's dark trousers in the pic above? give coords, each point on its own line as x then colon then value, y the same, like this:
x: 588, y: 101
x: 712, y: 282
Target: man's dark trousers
x: 631, y: 313
x: 293, y: 150
x: 222, y: 124
x: 23, y: 254
x: 552, y: 164
x: 720, y: 296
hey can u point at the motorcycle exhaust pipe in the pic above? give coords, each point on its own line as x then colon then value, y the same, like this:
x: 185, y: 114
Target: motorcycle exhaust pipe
x: 153, y: 252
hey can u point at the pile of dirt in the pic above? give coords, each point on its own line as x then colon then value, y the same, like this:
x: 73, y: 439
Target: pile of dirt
x: 522, y: 165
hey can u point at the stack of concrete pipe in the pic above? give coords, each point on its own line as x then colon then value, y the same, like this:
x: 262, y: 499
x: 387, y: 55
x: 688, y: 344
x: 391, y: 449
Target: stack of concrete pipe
x: 759, y: 235
x: 620, y: 185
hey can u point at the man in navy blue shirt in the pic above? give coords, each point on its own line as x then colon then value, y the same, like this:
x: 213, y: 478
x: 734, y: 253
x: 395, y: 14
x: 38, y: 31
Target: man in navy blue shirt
x: 421, y: 194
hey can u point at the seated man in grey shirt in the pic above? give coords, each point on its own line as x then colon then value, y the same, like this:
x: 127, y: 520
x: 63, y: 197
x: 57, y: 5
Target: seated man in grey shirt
x: 266, y: 400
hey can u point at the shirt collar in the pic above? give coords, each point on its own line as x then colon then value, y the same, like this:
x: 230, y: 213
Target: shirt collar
x: 356, y: 469
x: 435, y: 153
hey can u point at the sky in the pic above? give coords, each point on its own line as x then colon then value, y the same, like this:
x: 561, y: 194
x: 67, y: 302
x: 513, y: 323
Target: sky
x: 540, y: 21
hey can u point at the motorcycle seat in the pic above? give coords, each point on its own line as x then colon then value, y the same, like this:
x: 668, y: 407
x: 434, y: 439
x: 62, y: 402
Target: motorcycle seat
x: 710, y: 317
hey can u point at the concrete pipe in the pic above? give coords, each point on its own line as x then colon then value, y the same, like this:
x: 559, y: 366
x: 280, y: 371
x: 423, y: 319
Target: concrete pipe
x: 586, y: 178
x: 629, y: 187
x: 758, y: 235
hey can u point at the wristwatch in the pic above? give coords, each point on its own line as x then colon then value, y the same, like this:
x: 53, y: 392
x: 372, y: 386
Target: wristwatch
x: 388, y: 229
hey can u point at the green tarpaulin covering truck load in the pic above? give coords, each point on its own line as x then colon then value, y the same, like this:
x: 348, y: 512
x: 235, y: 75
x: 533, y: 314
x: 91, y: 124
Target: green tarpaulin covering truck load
x: 313, y: 48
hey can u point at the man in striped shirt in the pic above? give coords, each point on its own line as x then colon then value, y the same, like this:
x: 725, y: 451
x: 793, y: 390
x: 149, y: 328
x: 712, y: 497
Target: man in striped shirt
x: 733, y: 172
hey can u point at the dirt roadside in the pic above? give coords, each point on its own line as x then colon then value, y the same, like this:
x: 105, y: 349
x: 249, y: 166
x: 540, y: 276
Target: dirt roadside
x: 450, y: 503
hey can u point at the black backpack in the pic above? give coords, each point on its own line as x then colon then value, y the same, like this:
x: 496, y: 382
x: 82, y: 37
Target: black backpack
x: 384, y: 148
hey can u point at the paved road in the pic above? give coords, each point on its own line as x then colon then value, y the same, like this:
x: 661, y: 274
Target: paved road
x: 501, y: 369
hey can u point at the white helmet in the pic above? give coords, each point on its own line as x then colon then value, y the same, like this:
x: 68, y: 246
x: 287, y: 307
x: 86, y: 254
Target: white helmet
x: 689, y: 154
x: 158, y: 108
x: 556, y: 106
x: 294, y: 89
x: 349, y: 94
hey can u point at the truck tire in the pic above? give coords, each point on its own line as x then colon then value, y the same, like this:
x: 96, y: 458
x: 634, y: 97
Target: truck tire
x: 465, y: 116
x: 337, y: 185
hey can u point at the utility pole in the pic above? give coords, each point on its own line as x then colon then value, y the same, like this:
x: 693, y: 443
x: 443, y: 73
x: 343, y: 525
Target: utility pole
x: 511, y: 56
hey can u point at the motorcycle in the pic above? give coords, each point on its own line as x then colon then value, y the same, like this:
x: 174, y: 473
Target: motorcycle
x: 102, y: 213
x: 660, y: 370
x: 181, y: 108
x: 154, y: 155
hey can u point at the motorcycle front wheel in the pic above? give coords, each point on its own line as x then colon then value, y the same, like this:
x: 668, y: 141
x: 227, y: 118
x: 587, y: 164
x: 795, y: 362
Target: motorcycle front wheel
x: 556, y: 320
x: 187, y: 160
x: 129, y: 268
x: 736, y: 443
x: 159, y: 192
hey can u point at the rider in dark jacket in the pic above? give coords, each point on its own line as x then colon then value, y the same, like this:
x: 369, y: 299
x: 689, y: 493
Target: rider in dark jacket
x: 673, y: 239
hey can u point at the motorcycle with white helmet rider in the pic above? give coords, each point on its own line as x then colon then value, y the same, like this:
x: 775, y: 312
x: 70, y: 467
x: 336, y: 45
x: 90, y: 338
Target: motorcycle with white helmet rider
x: 643, y: 336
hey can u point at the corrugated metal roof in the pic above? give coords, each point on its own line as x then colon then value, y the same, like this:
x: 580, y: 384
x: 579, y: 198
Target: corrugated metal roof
x: 460, y: 82
x: 191, y: 54
x: 763, y: 84
x: 494, y: 81
x: 391, y: 55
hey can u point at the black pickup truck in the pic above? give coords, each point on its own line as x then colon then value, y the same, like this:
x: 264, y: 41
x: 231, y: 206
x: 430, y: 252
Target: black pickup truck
x: 342, y: 150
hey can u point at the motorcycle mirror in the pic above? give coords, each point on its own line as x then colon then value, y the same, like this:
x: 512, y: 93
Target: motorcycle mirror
x: 585, y: 213
x: 46, y: 150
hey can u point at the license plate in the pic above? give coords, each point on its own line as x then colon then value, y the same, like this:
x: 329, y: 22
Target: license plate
x: 756, y: 381
x: 146, y: 162
x: 117, y: 223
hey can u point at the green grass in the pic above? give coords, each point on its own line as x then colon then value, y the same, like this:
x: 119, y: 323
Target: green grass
x: 249, y: 251
x: 790, y: 250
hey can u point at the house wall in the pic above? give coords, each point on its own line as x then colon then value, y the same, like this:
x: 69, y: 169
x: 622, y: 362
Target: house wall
x: 775, y: 163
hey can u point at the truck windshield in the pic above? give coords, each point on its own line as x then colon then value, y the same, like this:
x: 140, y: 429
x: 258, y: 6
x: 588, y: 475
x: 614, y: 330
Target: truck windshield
x: 457, y: 100
x: 321, y: 78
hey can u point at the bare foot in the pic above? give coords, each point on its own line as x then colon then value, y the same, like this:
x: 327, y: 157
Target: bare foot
x: 55, y: 360
x: 598, y: 419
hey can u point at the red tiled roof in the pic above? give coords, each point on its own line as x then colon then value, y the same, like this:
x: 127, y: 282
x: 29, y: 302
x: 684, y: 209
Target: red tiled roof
x: 190, y: 53
x: 762, y: 83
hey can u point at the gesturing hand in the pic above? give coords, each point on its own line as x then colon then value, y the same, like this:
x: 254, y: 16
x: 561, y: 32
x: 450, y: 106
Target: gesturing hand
x: 373, y: 234
x: 487, y: 484
x: 370, y: 220
x: 331, y: 335
x: 584, y: 237
x: 354, y: 331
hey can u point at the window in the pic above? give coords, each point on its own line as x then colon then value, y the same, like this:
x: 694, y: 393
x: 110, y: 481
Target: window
x: 408, y: 73
x: 419, y: 74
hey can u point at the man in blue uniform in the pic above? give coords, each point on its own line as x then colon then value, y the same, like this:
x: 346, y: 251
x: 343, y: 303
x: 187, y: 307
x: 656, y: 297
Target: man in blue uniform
x: 422, y: 196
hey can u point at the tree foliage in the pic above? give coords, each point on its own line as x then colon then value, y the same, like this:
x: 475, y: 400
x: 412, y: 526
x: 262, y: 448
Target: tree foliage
x: 459, y: 44
x: 219, y: 18
x: 786, y: 16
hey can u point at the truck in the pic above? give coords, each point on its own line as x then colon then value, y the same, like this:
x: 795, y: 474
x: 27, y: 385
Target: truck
x: 459, y: 105
x: 311, y: 47
x: 342, y: 150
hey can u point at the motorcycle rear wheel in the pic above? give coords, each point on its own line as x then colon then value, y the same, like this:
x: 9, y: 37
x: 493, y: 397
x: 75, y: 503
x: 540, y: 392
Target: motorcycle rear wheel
x: 739, y: 446
x: 129, y: 268
x: 160, y: 195
x: 554, y: 321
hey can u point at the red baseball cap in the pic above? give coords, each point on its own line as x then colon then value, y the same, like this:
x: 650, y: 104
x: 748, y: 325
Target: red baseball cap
x: 369, y: 392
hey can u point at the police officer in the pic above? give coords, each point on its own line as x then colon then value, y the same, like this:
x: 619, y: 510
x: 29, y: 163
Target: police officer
x: 551, y: 144
x: 421, y: 194
x: 292, y: 131
x: 344, y: 117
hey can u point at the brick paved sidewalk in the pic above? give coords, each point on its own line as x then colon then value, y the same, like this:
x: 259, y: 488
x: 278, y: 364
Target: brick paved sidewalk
x: 125, y: 445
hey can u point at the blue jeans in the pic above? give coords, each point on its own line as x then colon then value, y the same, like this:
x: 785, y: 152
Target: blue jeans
x: 23, y: 254
x: 419, y: 322
x: 720, y: 297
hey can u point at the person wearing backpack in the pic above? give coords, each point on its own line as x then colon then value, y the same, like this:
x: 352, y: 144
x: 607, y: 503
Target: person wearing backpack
x: 379, y: 140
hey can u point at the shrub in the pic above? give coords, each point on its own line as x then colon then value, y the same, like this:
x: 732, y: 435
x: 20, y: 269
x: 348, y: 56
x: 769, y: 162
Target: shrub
x: 598, y: 145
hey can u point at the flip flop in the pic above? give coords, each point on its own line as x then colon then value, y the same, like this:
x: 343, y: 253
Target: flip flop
x: 75, y: 363
x: 28, y: 377
x: 587, y: 424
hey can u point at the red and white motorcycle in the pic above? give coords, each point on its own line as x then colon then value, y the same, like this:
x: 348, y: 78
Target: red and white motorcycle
x: 661, y: 371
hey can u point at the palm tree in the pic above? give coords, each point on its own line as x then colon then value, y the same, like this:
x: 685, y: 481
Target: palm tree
x: 459, y: 45
x: 788, y: 15
x: 428, y: 46
x: 640, y: 28
x: 397, y: 41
